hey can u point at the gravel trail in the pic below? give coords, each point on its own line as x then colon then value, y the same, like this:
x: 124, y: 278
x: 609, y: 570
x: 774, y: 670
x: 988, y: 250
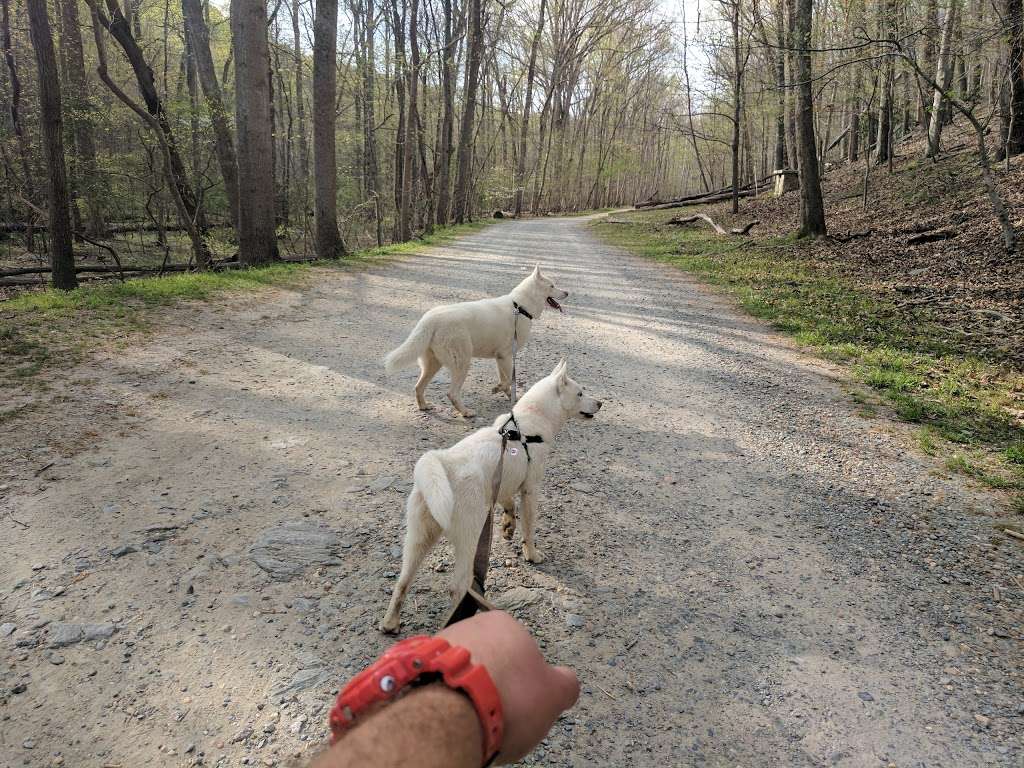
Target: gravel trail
x: 744, y: 570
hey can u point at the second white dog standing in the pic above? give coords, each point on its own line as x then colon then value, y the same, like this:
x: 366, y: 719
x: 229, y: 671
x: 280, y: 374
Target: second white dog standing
x: 451, y: 336
x: 452, y: 487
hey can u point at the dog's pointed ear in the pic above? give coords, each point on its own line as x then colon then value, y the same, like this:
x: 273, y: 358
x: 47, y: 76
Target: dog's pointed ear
x: 536, y: 270
x: 561, y: 372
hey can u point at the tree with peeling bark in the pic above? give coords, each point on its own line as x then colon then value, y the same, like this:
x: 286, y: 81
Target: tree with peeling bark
x: 62, y: 257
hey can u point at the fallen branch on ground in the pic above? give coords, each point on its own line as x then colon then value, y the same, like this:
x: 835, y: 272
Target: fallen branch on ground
x: 931, y: 237
x: 744, y: 230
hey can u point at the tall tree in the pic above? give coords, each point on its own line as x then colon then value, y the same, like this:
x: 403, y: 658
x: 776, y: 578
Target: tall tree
x: 524, y: 129
x: 298, y: 62
x: 329, y: 244
x: 411, y: 121
x: 943, y: 78
x: 87, y: 180
x: 257, y: 240
x: 463, y: 181
x: 17, y: 120
x: 883, y: 142
x: 51, y: 127
x: 224, y: 142
x: 446, y: 130
x: 812, y: 206
x: 1012, y: 112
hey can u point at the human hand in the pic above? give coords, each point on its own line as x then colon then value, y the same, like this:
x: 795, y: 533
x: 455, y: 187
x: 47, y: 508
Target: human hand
x: 533, y: 692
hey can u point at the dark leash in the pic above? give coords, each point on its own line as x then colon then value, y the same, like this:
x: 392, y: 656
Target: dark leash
x: 474, y: 599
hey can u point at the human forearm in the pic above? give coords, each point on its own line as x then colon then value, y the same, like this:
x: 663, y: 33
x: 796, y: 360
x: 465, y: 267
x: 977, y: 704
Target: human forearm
x: 436, y: 725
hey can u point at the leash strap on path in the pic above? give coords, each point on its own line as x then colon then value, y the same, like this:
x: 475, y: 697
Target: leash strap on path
x: 474, y: 599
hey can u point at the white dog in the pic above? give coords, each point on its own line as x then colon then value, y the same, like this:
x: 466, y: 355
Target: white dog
x: 451, y: 336
x: 453, y: 487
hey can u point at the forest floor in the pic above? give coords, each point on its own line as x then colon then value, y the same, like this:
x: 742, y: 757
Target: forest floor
x: 200, y: 531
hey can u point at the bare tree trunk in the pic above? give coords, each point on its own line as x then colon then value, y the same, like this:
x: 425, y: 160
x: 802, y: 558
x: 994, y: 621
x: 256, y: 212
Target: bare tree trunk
x: 887, y: 22
x: 257, y: 241
x: 51, y: 124
x: 443, y: 163
x: 812, y: 209
x: 191, y: 78
x: 524, y: 128
x: 463, y: 181
x: 689, y: 106
x: 224, y: 142
x: 943, y: 77
x: 781, y: 156
x: 371, y: 164
x: 408, y: 148
x: 1012, y: 115
x: 931, y: 33
x: 329, y: 244
x: 791, y: 62
x: 302, y: 176
x: 737, y: 99
x: 16, y: 119
x: 88, y: 182
x: 853, y: 143
x: 398, y: 30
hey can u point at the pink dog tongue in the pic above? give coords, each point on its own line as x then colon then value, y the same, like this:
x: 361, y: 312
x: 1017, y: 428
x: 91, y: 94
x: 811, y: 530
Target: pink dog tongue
x: 555, y: 304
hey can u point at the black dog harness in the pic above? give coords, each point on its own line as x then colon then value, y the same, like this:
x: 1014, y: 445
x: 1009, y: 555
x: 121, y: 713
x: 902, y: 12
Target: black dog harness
x: 513, y: 434
x: 521, y: 310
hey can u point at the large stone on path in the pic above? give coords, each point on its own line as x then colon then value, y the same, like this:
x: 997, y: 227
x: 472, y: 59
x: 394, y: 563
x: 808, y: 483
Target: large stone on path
x: 518, y: 598
x: 63, y: 634
x: 288, y: 549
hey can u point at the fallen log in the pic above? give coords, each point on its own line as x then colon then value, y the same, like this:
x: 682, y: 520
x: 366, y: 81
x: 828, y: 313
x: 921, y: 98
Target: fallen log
x: 715, y: 198
x: 852, y: 235
x: 742, y: 231
x: 836, y: 140
x: 705, y: 197
x: 931, y: 237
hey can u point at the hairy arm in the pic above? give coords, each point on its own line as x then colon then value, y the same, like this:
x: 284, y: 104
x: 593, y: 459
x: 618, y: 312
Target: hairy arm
x: 431, y: 727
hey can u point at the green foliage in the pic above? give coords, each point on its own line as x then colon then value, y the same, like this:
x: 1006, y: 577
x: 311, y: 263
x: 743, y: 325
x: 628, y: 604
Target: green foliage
x: 920, y: 367
x: 46, y: 328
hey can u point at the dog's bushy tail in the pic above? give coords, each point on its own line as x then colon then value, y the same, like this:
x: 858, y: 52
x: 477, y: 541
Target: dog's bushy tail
x: 432, y: 482
x: 410, y: 349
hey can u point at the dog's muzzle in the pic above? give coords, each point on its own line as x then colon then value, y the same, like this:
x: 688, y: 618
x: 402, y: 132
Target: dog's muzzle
x: 591, y: 414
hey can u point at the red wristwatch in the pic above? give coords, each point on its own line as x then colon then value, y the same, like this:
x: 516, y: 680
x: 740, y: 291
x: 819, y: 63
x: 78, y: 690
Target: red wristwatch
x: 416, y: 661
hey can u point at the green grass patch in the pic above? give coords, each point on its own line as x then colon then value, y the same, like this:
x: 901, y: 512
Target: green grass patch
x: 920, y: 367
x: 43, y: 329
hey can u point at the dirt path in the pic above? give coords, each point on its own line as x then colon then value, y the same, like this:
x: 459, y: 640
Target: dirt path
x: 743, y: 570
